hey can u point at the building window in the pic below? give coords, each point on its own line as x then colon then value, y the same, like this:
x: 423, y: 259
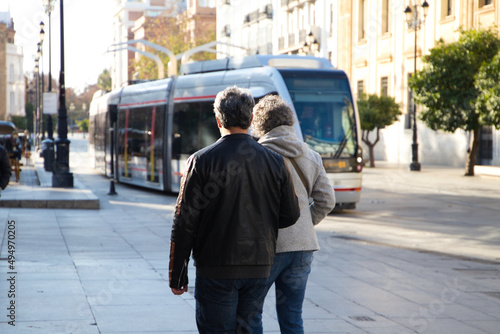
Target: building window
x: 12, y: 103
x: 361, y: 88
x: 158, y: 3
x: 207, y: 3
x: 384, y: 86
x: 446, y: 8
x: 361, y: 20
x: 332, y: 18
x: 385, y: 16
x: 483, y: 3
x: 12, y: 74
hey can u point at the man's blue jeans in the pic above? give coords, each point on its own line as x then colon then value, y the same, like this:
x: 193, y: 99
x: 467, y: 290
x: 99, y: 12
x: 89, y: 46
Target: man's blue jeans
x: 289, y: 273
x: 228, y: 305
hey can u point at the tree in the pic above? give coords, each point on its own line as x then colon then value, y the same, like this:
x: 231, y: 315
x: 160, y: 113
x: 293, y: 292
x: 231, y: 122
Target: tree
x: 488, y: 102
x: 174, y: 35
x: 375, y: 113
x: 447, y: 86
x: 104, y: 81
x: 19, y: 122
x: 83, y: 125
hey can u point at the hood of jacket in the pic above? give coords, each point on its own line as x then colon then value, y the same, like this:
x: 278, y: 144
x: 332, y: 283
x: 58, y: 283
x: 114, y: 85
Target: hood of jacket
x: 284, y: 141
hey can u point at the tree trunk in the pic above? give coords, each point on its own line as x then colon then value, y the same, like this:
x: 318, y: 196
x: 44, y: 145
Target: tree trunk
x: 372, y: 156
x: 370, y: 145
x: 471, y: 153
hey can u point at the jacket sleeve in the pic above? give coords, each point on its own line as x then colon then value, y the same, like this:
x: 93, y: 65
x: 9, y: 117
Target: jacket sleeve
x: 5, y: 171
x: 185, y: 226
x: 289, y: 204
x: 323, y: 196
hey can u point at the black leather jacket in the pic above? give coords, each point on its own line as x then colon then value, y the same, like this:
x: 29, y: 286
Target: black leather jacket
x: 5, y: 169
x: 234, y: 196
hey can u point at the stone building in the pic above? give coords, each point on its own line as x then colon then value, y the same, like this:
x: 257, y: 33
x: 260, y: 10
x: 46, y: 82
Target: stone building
x: 377, y: 50
x: 278, y: 27
x: 12, y: 83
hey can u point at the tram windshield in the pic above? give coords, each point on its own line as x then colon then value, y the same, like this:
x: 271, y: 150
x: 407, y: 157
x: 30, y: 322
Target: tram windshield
x: 323, y: 102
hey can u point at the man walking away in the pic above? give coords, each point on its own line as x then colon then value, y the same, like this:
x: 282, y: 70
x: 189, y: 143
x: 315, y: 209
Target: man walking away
x: 235, y: 195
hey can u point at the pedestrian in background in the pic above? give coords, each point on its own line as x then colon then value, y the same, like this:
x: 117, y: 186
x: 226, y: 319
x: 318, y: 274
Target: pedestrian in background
x: 234, y: 196
x: 273, y: 122
x: 5, y: 169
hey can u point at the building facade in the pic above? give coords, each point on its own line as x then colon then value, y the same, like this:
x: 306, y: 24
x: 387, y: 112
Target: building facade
x: 200, y: 17
x: 12, y: 82
x: 278, y: 27
x: 126, y: 15
x: 377, y: 50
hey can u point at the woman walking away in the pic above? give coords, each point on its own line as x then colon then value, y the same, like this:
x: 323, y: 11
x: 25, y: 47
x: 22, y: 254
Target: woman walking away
x: 273, y: 122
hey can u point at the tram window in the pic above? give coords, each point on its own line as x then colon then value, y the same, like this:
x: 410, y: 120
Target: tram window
x: 140, y: 129
x: 194, y: 127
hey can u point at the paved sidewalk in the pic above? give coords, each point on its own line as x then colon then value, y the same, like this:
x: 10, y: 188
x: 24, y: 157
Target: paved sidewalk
x: 105, y: 271
x: 34, y: 190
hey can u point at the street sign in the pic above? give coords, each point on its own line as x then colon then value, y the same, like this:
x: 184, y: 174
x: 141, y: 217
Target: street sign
x: 50, y: 103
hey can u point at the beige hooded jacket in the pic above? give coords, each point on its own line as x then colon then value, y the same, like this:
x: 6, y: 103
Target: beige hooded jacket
x: 301, y: 236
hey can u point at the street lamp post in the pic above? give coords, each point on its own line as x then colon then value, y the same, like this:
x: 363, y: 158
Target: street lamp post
x: 49, y: 7
x: 40, y: 55
x: 413, y: 20
x: 37, y: 109
x: 62, y: 176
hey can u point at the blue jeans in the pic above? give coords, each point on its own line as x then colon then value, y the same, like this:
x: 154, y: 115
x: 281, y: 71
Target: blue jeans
x: 289, y: 274
x: 228, y: 305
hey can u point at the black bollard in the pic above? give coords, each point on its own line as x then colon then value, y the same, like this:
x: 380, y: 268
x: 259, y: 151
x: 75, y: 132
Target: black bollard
x: 112, y: 188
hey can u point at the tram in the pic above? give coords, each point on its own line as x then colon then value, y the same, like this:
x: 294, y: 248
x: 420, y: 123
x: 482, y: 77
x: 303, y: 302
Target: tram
x: 143, y: 134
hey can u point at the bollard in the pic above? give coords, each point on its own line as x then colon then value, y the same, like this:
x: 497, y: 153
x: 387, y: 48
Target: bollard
x: 112, y: 188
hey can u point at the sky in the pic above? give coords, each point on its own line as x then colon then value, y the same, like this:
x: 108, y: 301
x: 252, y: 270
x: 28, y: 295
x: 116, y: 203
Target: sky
x: 88, y: 32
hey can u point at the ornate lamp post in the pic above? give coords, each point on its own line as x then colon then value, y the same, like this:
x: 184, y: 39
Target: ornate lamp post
x: 311, y: 45
x: 49, y: 7
x: 39, y: 54
x: 62, y: 176
x: 414, y: 22
x: 37, y: 106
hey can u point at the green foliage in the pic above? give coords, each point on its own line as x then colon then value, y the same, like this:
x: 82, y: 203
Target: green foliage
x: 446, y: 86
x: 104, y: 81
x: 83, y: 124
x: 19, y: 122
x: 377, y: 112
x: 457, y: 86
x: 488, y: 102
x: 173, y: 35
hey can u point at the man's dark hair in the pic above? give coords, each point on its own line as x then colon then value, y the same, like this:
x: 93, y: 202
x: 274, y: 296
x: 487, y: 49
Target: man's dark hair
x: 233, y: 107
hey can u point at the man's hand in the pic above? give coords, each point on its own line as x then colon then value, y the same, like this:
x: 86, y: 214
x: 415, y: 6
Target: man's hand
x: 180, y: 291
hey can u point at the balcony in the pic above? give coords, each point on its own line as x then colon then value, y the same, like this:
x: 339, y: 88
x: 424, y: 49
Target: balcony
x: 302, y: 35
x: 281, y: 43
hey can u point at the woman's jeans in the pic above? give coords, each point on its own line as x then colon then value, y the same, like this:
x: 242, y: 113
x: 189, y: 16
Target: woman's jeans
x: 289, y: 273
x: 228, y: 305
